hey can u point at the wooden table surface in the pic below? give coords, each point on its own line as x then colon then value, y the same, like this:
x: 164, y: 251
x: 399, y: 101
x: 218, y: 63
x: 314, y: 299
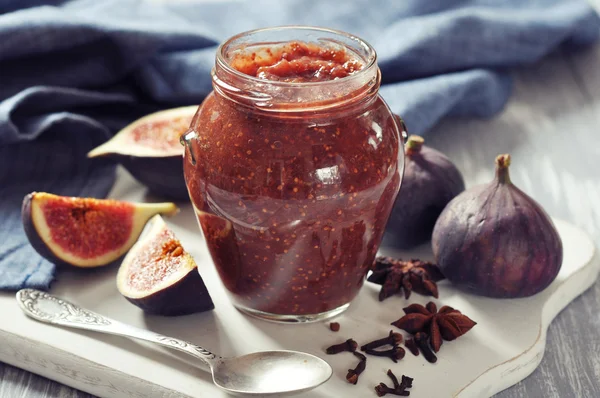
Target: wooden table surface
x: 551, y: 128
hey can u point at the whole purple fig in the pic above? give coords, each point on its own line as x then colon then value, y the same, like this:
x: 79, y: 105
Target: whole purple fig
x: 493, y: 240
x: 430, y: 182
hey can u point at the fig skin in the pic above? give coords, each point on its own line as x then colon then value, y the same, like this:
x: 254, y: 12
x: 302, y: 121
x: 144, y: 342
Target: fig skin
x: 163, y: 176
x: 430, y: 181
x: 51, y: 251
x: 159, y: 169
x: 34, y: 238
x: 180, y: 292
x: 493, y: 240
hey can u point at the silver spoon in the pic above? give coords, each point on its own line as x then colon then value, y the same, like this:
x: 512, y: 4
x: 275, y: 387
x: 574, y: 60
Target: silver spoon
x: 267, y: 372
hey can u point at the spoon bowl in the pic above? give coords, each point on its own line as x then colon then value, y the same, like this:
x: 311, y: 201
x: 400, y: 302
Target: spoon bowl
x: 271, y: 372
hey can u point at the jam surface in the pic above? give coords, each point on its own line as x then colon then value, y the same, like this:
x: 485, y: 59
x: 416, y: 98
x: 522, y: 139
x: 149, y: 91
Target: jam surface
x: 296, y: 62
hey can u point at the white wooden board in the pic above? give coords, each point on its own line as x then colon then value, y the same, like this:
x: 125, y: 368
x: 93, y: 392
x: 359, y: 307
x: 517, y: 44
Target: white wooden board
x: 505, y: 347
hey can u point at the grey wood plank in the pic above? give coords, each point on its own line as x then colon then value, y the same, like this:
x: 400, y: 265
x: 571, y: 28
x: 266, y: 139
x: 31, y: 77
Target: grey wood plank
x: 17, y: 383
x: 550, y: 127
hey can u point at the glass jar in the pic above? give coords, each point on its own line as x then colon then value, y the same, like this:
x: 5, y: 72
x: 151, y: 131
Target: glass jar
x: 293, y: 181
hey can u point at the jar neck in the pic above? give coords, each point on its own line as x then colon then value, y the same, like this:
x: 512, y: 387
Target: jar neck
x: 357, y: 89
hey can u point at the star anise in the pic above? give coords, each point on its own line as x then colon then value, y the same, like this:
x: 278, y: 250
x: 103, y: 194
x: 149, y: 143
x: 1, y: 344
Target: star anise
x: 413, y: 275
x: 446, y: 324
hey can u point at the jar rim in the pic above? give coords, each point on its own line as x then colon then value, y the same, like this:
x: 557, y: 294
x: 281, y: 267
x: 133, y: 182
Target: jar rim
x: 370, y: 59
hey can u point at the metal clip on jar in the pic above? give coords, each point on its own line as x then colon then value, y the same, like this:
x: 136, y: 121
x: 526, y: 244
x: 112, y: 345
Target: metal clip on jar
x: 293, y: 178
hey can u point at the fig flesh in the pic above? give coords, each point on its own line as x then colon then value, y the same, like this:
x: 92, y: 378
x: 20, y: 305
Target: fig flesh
x: 149, y: 149
x: 85, y: 232
x: 430, y: 181
x: 493, y: 240
x: 160, y: 277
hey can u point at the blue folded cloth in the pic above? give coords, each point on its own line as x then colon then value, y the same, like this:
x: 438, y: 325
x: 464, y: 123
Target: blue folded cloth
x: 72, y: 73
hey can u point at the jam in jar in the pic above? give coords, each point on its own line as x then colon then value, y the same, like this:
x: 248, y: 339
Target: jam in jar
x: 293, y: 163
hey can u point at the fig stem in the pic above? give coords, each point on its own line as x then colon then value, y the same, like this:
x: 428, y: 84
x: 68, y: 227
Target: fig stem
x: 502, y: 164
x: 414, y: 143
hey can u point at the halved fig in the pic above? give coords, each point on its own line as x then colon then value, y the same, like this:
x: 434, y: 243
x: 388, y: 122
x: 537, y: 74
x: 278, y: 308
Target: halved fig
x: 85, y: 232
x: 149, y: 149
x: 160, y: 277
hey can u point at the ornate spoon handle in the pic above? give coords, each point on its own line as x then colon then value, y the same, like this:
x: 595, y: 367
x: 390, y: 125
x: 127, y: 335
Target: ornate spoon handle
x: 50, y: 309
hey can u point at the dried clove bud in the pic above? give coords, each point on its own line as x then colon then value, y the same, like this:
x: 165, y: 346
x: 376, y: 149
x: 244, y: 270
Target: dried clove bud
x: 348, y: 345
x: 399, y: 388
x: 422, y: 340
x: 391, y: 339
x: 412, y: 346
x: 392, y: 376
x: 352, y: 376
x: 382, y: 390
x: 406, y: 382
x: 334, y: 326
x: 395, y: 353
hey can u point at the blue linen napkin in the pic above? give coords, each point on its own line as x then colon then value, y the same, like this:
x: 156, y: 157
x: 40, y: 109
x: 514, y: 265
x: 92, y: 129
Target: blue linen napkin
x: 73, y: 72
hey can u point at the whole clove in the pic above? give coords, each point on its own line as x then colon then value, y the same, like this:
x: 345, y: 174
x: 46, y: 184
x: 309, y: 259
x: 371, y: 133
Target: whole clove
x: 406, y: 381
x: 399, y: 388
x: 395, y: 353
x: 412, y: 347
x: 381, y: 389
x: 352, y: 376
x: 391, y: 339
x: 422, y: 340
x: 348, y: 345
x: 334, y: 327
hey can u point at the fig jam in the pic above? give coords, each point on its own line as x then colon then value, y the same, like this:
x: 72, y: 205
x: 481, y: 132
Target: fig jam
x: 297, y: 62
x: 293, y: 168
